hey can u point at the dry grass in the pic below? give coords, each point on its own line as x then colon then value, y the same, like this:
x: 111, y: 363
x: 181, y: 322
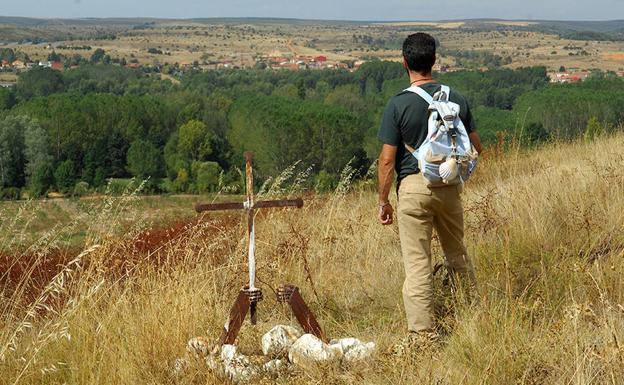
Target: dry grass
x: 545, y: 228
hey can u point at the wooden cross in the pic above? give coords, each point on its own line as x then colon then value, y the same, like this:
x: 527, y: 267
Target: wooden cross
x: 250, y: 295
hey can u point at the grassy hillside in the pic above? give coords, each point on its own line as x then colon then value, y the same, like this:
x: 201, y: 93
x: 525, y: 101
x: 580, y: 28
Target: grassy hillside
x: 544, y: 227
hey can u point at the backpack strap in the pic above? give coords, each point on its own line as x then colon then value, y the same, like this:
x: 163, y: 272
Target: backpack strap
x: 422, y: 93
x: 411, y: 150
x: 447, y: 92
x: 427, y: 98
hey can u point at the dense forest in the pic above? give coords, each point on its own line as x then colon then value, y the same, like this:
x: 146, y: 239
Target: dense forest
x: 93, y: 127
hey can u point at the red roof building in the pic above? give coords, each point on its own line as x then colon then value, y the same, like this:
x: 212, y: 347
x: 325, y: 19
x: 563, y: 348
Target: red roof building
x: 57, y: 66
x: 320, y: 59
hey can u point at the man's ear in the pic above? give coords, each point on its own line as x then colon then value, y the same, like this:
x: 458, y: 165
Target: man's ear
x: 405, y: 64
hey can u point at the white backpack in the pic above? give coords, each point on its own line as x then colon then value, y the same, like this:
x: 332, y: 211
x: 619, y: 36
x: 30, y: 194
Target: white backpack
x: 446, y: 157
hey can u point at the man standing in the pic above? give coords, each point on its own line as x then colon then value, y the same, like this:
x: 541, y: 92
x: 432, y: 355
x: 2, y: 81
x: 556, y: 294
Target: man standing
x: 421, y: 208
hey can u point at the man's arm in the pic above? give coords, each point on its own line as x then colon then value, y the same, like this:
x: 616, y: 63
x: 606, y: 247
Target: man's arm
x: 385, y: 171
x: 476, y: 141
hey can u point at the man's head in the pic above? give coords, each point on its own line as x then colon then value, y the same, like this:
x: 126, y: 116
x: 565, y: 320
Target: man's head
x: 419, y: 53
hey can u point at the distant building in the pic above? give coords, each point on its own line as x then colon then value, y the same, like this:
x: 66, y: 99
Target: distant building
x: 18, y: 64
x: 568, y: 77
x: 357, y: 64
x: 57, y: 66
x: 6, y: 85
x: 225, y: 64
x: 320, y: 59
x: 290, y: 66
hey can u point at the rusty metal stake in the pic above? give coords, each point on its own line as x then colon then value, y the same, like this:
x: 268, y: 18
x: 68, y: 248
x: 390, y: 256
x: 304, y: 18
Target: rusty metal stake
x: 290, y: 294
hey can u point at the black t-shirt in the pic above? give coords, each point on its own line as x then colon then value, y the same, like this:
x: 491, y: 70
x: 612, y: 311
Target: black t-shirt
x: 405, y: 120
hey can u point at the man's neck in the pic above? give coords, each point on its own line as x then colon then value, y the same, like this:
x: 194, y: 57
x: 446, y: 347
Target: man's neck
x: 418, y: 78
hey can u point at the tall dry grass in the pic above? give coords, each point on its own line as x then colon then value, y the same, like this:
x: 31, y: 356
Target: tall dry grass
x: 545, y: 228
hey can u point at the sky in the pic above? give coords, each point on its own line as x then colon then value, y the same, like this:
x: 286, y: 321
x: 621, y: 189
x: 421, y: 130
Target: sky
x: 377, y: 10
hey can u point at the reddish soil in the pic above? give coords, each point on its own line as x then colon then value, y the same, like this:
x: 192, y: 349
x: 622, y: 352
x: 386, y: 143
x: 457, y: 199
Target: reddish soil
x: 145, y: 248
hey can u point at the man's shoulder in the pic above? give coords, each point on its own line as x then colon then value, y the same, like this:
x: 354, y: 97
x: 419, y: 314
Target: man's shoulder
x: 404, y: 98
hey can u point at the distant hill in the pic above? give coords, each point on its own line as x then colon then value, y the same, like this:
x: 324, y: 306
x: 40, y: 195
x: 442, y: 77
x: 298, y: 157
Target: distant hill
x: 38, y: 29
x: 580, y: 25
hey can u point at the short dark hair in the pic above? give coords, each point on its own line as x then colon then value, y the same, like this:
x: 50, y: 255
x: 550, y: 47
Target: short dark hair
x: 419, y: 51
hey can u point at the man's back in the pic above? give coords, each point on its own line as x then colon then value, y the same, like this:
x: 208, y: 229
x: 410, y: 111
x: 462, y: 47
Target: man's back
x: 405, y: 121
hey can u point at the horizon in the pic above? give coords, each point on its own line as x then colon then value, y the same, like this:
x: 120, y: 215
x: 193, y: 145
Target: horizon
x: 277, y: 18
x: 327, y: 10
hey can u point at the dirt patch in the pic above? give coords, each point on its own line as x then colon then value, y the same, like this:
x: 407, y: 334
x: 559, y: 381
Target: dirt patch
x: 614, y: 56
x: 31, y: 272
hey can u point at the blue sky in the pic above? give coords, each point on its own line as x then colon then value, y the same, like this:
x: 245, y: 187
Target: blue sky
x: 321, y: 9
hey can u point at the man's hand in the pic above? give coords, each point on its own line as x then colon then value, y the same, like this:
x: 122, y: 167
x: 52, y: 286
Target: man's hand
x: 386, y: 214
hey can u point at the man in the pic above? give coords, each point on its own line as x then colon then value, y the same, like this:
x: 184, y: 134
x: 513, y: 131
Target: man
x: 421, y: 208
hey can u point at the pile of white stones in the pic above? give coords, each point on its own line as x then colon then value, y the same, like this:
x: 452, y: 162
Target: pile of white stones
x: 283, y: 346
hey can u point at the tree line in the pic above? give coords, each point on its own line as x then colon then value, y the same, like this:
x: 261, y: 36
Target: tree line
x: 94, y: 127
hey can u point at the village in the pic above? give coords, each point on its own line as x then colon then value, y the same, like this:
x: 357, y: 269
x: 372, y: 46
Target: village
x: 275, y: 60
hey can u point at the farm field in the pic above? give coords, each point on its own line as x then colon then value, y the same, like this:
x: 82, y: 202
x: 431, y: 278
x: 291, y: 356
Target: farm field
x: 545, y: 227
x: 244, y: 42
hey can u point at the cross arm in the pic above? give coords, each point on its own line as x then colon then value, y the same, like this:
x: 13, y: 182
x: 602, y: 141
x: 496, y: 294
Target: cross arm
x: 201, y: 207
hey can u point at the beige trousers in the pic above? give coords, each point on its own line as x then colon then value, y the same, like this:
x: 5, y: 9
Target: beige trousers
x: 420, y: 210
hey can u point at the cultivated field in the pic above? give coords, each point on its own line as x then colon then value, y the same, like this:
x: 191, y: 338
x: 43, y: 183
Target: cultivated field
x: 545, y: 228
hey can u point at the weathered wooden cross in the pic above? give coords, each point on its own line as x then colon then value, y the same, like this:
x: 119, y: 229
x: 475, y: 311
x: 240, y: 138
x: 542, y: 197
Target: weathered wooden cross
x: 250, y: 295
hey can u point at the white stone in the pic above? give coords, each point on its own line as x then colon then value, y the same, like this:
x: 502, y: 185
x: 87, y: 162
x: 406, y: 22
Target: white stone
x: 277, y: 341
x: 354, y: 350
x: 309, y: 352
x: 274, y: 366
x: 235, y: 365
x: 214, y: 363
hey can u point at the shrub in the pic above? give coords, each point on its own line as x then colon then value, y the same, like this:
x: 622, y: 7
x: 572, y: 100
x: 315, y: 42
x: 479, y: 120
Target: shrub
x: 325, y: 182
x: 10, y: 193
x: 65, y: 176
x: 206, y: 176
x: 180, y: 184
x: 81, y: 189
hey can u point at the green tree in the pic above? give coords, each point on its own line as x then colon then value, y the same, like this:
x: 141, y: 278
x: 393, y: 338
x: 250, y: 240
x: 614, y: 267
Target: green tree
x: 7, y: 98
x: 41, y: 180
x: 144, y: 159
x: 181, y: 182
x: 194, y: 140
x: 65, y: 176
x: 593, y: 129
x: 12, y: 151
x: 205, y: 176
x: 38, y: 171
x: 173, y: 160
x: 98, y: 55
x: 39, y: 81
